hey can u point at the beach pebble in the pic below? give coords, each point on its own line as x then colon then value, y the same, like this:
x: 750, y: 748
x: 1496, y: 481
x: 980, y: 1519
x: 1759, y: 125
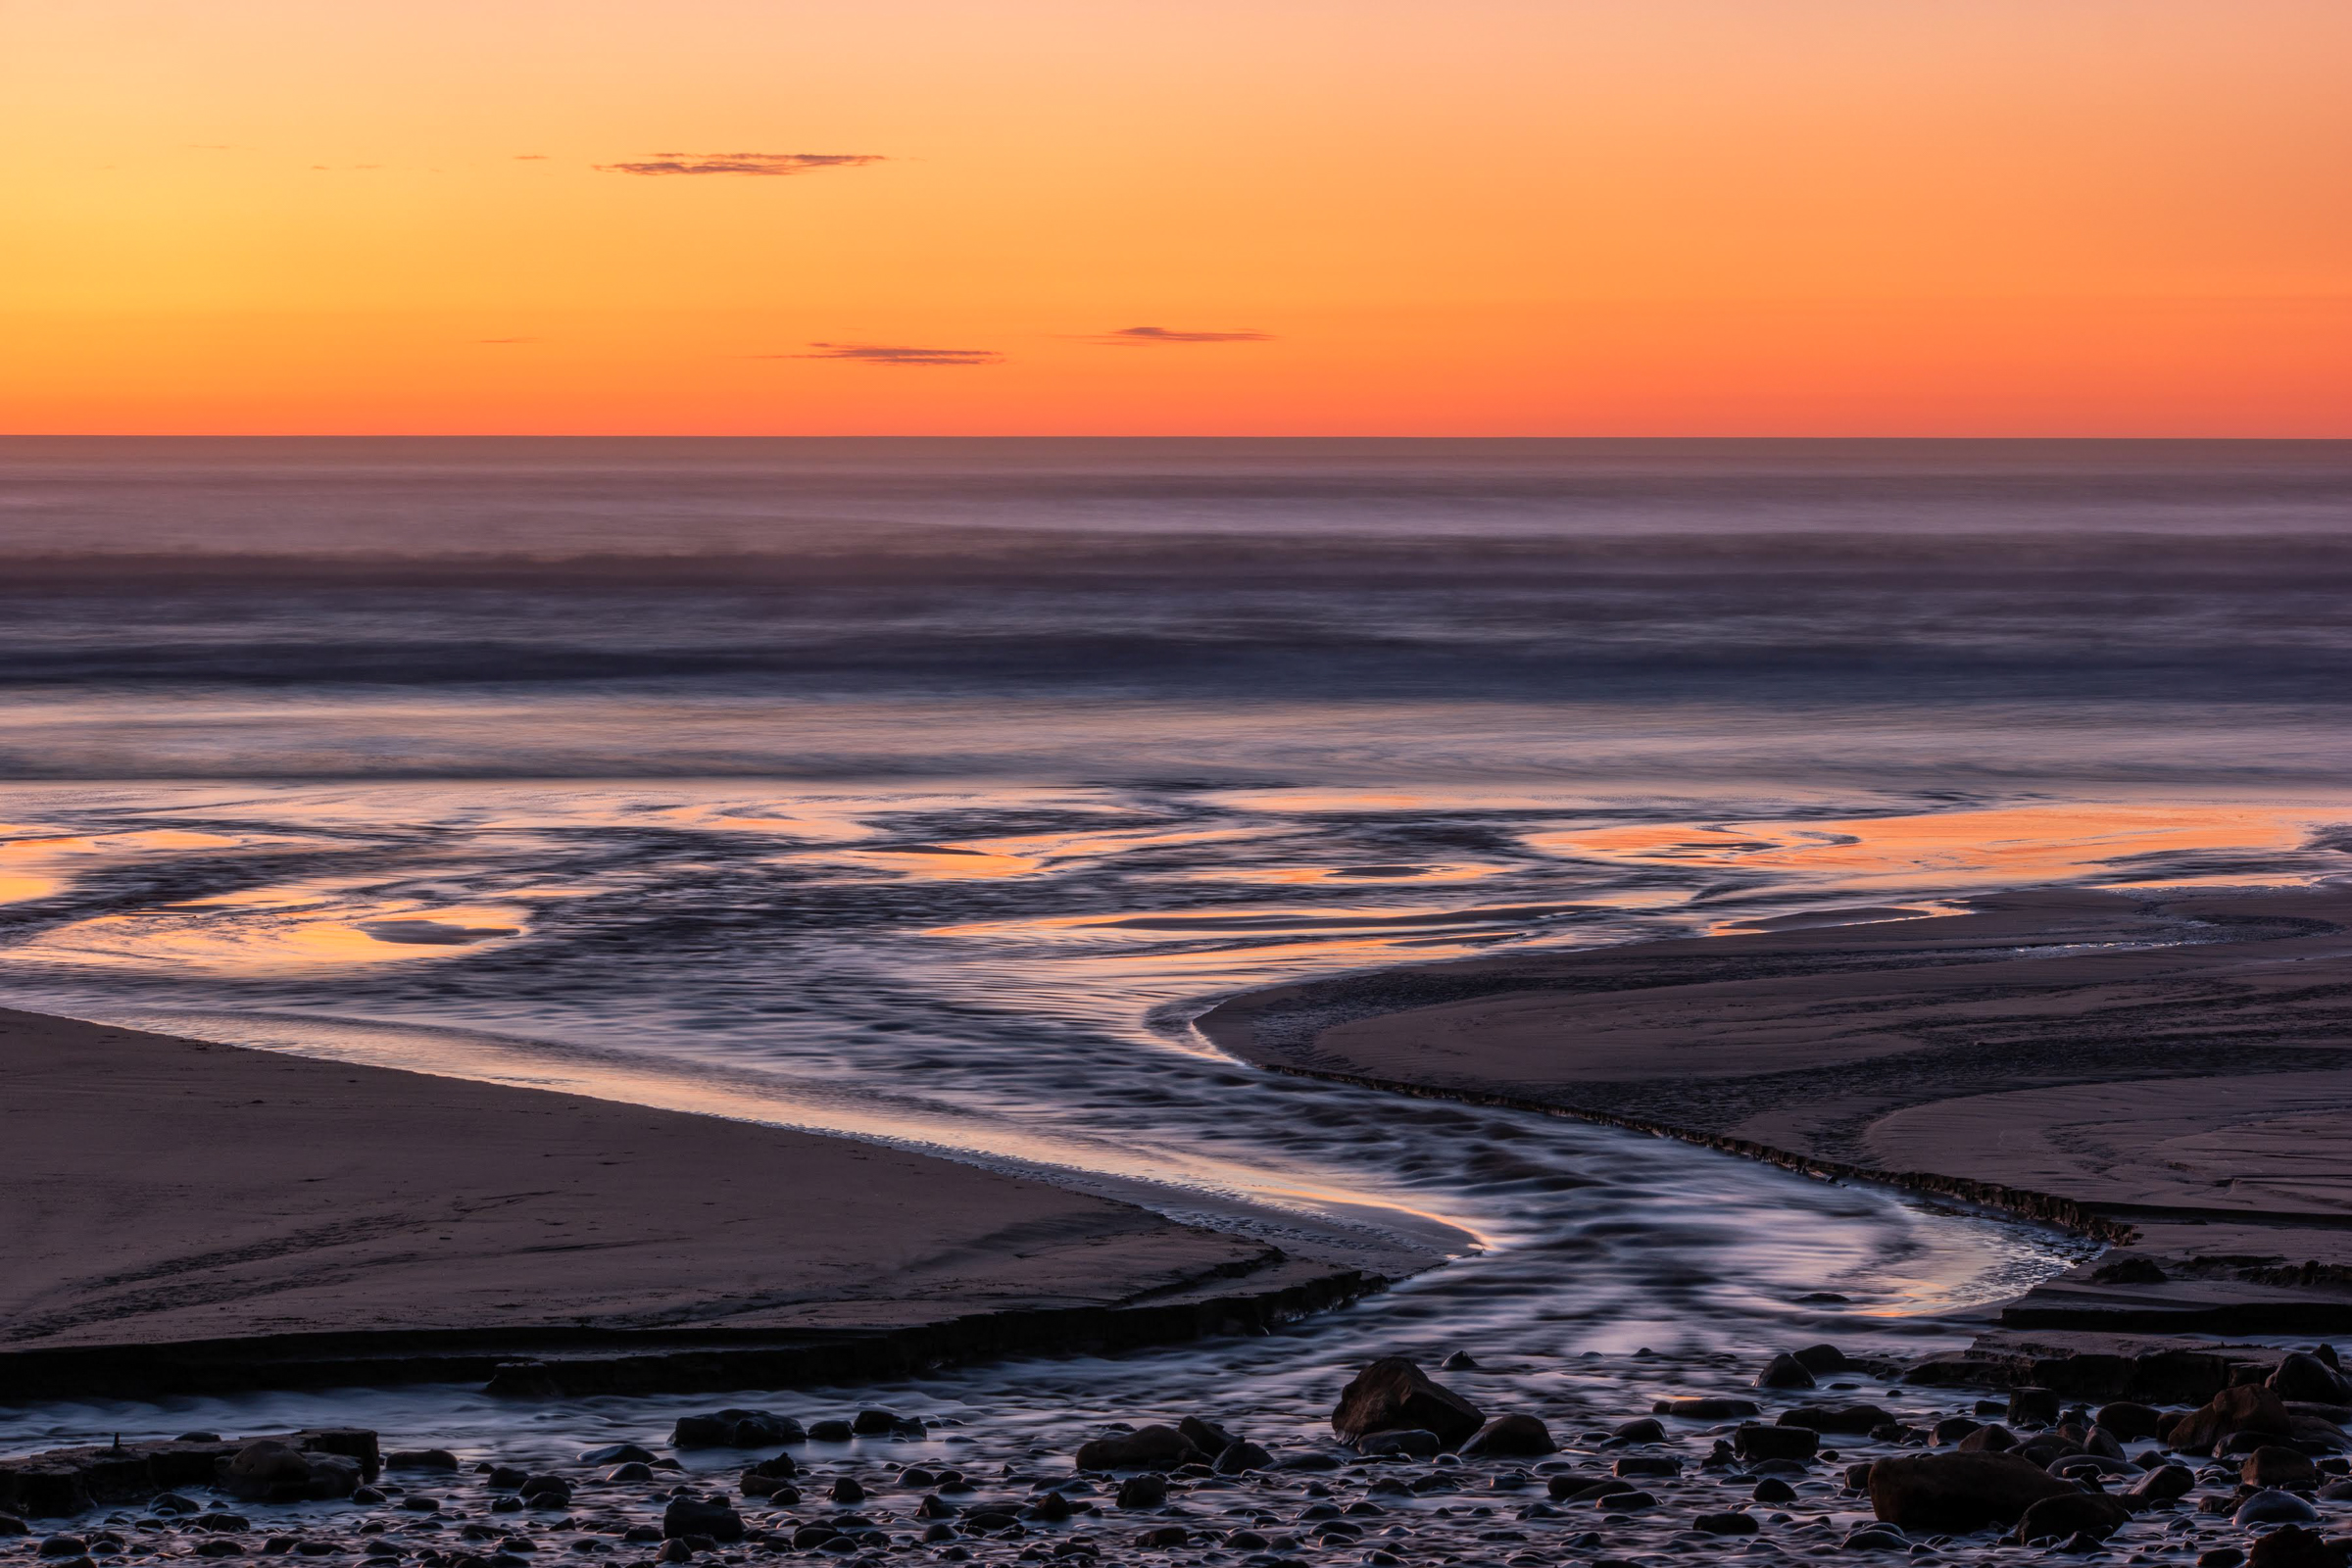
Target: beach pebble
x: 1785, y: 1372
x: 701, y: 1516
x: 1241, y: 1456
x: 1207, y: 1435
x: 1752, y: 1441
x: 846, y: 1489
x: 1460, y: 1361
x: 1822, y: 1359
x: 2090, y: 1513
x: 1414, y: 1444
x: 1143, y: 1491
x: 1151, y: 1448
x: 2274, y: 1466
x: 421, y: 1460
x: 618, y: 1453
x: 2294, y: 1547
x: 1772, y: 1489
x: 2273, y: 1508
x: 2129, y: 1421
x: 833, y: 1429
x: 1648, y: 1428
x: 735, y: 1428
x: 1730, y: 1523
x: 1714, y: 1408
x: 1959, y: 1492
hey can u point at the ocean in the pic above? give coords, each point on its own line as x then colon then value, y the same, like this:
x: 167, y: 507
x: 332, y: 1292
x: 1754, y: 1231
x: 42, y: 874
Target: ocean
x: 926, y: 790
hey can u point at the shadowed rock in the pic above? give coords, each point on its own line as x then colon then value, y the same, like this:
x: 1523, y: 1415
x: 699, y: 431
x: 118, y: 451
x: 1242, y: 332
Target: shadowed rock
x: 1959, y: 1492
x: 1393, y: 1394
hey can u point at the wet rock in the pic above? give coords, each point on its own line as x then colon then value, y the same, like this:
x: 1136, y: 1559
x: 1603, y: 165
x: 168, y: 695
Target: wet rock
x: 833, y: 1429
x: 1414, y: 1445
x: 631, y: 1471
x: 1648, y: 1464
x: 1582, y: 1489
x: 1822, y: 1359
x: 1952, y: 1428
x: 2333, y: 1492
x: 1785, y: 1372
x: 768, y: 1477
x: 1393, y: 1394
x: 64, y: 1547
x: 1242, y: 1455
x: 421, y: 1460
x: 701, y: 1516
x: 846, y: 1489
x: 735, y: 1428
x: 1706, y: 1409
x: 1511, y: 1437
x: 2273, y: 1508
x: 546, y: 1491
x: 2163, y: 1483
x: 875, y: 1423
x: 1772, y: 1489
x: 1207, y: 1435
x: 2295, y: 1548
x: 1995, y: 1439
x: 2243, y: 1408
x: 11, y: 1525
x: 2308, y: 1379
x: 934, y: 1506
x: 2085, y: 1513
x: 2273, y: 1466
x: 618, y: 1453
x: 1145, y: 1491
x: 1050, y: 1509
x: 1857, y: 1419
x: 1648, y: 1429
x: 1730, y: 1523
x: 1753, y: 1441
x: 269, y: 1471
x: 2129, y: 1421
x: 1959, y: 1492
x: 2033, y: 1407
x: 1152, y: 1448
x: 1460, y: 1361
x: 1623, y: 1501
x: 2221, y: 1558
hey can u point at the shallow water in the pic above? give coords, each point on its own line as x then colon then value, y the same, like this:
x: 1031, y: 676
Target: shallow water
x: 927, y: 795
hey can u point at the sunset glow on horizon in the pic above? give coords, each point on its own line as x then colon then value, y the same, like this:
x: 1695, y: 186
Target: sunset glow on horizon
x: 1047, y: 217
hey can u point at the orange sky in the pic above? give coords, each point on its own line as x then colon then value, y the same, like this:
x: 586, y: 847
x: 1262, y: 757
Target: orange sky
x: 1446, y: 217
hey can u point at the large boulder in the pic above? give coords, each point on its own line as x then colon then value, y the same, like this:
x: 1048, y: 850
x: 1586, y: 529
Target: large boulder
x: 2308, y: 1379
x: 1959, y: 1492
x: 1154, y: 1448
x: 701, y: 1516
x: 1511, y: 1437
x: 2091, y: 1513
x: 2246, y: 1407
x: 2294, y: 1546
x: 736, y: 1429
x: 1393, y: 1394
x: 270, y: 1471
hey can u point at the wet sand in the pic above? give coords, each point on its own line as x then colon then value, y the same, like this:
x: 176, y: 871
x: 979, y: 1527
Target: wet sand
x: 182, y: 1213
x: 2168, y: 1070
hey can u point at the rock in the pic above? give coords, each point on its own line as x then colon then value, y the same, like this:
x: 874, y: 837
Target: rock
x: 2246, y: 1407
x: 1874, y: 1538
x: 762, y: 1480
x: 1648, y: 1464
x: 1145, y: 1491
x: 1413, y: 1445
x: 64, y: 1547
x: 1959, y: 1492
x: 1051, y: 1507
x: 1952, y: 1428
x: 1860, y: 1419
x: 2310, y: 1381
x: 2333, y: 1492
x: 1460, y: 1361
x: 545, y: 1492
x: 2033, y: 1407
x: 11, y: 1525
x: 846, y: 1489
x: 1785, y: 1372
x: 700, y: 1516
x: 1822, y: 1359
x: 2090, y: 1513
x: 2221, y: 1558
x: 2129, y: 1421
x: 1752, y: 1441
x: 1391, y: 1395
x: 2295, y: 1548
x: 1706, y: 1409
x: 618, y: 1453
x: 2163, y: 1483
x: 269, y: 1471
x: 833, y: 1429
x: 1994, y: 1439
x: 1772, y: 1489
x: 2273, y: 1508
x: 735, y: 1428
x: 1732, y: 1523
x: 2128, y: 1268
x: 1623, y: 1501
x: 874, y: 1423
x: 2273, y: 1466
x: 1646, y: 1429
x: 935, y: 1506
x: 1511, y: 1437
x: 1242, y: 1455
x: 1154, y: 1448
x: 421, y: 1460
x: 1207, y: 1435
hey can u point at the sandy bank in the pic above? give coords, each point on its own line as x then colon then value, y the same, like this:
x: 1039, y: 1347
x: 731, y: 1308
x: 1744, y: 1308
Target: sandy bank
x: 186, y: 1214
x: 2170, y: 1070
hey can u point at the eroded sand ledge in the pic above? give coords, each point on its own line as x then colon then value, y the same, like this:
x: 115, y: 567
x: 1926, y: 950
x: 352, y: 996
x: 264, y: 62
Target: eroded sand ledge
x: 185, y: 1216
x: 2170, y: 1072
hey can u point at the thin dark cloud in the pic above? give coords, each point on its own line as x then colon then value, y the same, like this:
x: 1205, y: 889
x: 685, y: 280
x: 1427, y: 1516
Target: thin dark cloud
x: 741, y: 163
x: 530, y: 157
x: 506, y: 341
x: 891, y: 354
x: 1153, y: 336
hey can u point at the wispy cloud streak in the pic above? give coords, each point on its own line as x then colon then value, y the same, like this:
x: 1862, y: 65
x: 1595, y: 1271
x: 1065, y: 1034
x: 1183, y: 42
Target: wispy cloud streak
x: 742, y: 163
x: 891, y: 354
x: 1153, y: 336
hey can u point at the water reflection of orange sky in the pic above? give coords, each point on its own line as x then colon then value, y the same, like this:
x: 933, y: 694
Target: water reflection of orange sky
x: 2004, y: 847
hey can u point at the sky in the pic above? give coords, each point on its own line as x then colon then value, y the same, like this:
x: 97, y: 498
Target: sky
x: 1200, y: 216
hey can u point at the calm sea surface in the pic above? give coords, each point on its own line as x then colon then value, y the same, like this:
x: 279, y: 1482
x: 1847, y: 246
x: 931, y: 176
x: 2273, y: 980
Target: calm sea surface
x: 925, y: 790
